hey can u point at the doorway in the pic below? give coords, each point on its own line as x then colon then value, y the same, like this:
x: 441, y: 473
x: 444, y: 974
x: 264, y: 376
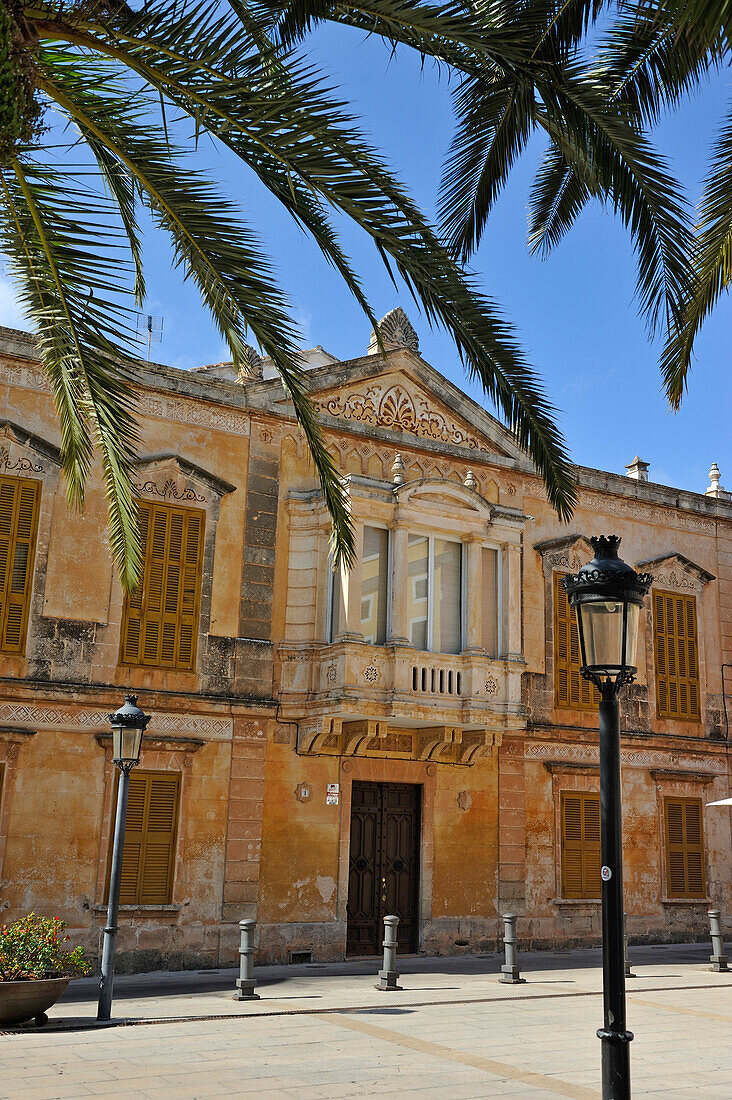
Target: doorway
x: 383, y: 865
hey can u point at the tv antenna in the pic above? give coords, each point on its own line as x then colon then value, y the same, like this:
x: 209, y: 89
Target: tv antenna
x: 151, y: 329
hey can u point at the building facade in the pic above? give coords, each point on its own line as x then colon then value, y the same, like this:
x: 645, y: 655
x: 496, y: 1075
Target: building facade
x: 412, y: 736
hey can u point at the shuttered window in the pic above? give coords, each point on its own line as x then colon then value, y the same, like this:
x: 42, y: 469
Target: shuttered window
x: 684, y: 848
x: 2, y: 778
x: 580, y: 845
x: 676, y: 655
x: 160, y: 619
x: 19, y: 504
x: 571, y: 691
x: 149, y: 851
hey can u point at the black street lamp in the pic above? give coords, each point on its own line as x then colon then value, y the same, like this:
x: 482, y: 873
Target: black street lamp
x: 128, y: 726
x: 607, y: 596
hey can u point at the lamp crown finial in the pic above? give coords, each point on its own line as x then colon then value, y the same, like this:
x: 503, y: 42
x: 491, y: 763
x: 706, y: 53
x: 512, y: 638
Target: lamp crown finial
x: 131, y: 699
x: 605, y: 546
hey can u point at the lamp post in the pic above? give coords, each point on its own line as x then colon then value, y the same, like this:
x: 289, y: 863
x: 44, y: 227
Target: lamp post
x: 128, y: 726
x: 607, y: 596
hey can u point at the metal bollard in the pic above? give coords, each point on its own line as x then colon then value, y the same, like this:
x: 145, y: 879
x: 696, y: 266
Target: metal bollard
x: 388, y: 976
x: 718, y: 959
x: 245, y: 982
x: 511, y: 970
x: 628, y: 972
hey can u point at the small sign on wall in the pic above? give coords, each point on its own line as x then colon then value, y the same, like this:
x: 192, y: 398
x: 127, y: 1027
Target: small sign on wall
x: 332, y: 796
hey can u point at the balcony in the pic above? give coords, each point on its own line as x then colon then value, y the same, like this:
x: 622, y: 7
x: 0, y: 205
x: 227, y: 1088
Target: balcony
x: 350, y: 698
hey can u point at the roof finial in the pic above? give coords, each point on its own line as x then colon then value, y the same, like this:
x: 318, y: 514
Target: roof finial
x: 396, y: 332
x: 398, y: 470
x: 638, y: 469
x: 715, y: 489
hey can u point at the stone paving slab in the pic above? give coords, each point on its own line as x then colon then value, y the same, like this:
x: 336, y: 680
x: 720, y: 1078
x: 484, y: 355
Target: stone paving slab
x: 518, y: 1050
x: 324, y: 1032
x: 343, y: 986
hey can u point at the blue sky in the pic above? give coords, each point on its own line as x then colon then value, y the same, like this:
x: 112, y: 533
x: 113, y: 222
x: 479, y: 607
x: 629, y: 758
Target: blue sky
x: 574, y: 312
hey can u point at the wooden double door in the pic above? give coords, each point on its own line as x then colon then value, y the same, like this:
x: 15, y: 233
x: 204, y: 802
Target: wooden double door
x: 383, y: 865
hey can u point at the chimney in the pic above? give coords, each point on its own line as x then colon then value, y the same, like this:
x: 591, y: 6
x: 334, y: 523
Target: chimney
x: 638, y: 469
x: 715, y: 489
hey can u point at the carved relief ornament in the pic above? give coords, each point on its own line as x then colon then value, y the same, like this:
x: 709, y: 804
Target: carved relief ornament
x: 393, y: 407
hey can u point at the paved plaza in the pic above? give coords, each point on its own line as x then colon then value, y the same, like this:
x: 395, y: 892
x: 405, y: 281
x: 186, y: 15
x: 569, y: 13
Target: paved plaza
x: 324, y: 1031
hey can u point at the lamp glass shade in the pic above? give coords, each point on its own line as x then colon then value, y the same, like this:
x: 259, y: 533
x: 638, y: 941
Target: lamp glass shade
x: 602, y: 634
x: 126, y: 744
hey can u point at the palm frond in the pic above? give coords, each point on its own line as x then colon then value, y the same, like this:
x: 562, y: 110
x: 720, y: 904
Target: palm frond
x: 712, y: 266
x: 70, y: 295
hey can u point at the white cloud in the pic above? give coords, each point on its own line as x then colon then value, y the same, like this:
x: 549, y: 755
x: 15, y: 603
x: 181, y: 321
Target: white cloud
x: 11, y: 314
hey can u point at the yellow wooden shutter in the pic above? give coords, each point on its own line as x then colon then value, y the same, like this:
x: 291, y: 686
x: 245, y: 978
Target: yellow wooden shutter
x: 19, y: 506
x: 580, y: 854
x: 571, y: 690
x: 149, y: 850
x: 160, y: 620
x: 676, y: 655
x: 684, y: 848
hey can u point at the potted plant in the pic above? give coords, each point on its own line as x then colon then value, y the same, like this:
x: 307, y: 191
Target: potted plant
x: 35, y: 967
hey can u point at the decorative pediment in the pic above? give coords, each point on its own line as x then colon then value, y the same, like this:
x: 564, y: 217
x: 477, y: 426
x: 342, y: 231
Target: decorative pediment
x: 569, y: 552
x: 398, y: 404
x: 439, y: 494
x: 173, y: 479
x: 23, y: 453
x: 675, y: 570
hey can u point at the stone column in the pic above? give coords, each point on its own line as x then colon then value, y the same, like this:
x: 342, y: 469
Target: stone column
x: 511, y: 644
x: 474, y: 594
x: 398, y: 626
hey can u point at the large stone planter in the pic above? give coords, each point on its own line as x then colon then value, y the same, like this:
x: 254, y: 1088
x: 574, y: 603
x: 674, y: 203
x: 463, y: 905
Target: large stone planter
x: 21, y: 1001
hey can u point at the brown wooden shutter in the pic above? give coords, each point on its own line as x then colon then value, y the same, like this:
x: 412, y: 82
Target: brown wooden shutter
x: 160, y: 621
x: 676, y: 655
x: 580, y: 853
x: 2, y: 778
x: 571, y: 691
x: 149, y: 850
x: 19, y: 507
x: 684, y: 848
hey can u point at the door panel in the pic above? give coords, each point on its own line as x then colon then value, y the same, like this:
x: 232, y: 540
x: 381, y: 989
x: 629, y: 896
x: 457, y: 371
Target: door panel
x: 384, y: 865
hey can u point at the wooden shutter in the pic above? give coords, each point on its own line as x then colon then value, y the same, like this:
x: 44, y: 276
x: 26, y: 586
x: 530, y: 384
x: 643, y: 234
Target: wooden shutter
x: 19, y: 506
x: 676, y: 655
x: 571, y: 691
x: 684, y: 848
x: 2, y: 778
x: 580, y: 853
x: 149, y: 850
x: 160, y: 620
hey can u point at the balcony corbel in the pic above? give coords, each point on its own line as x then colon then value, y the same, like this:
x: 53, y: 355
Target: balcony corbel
x: 430, y: 743
x: 479, y: 743
x: 357, y: 735
x: 317, y: 734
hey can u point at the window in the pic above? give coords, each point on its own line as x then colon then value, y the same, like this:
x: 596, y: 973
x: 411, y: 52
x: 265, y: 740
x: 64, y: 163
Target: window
x: 490, y: 602
x: 571, y: 691
x: 684, y: 847
x: 160, y: 619
x: 434, y: 605
x: 374, y: 585
x: 676, y: 657
x: 580, y: 845
x: 149, y: 851
x: 19, y: 505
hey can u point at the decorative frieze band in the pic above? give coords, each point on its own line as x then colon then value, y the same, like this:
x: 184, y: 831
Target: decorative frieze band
x: 178, y: 409
x: 39, y: 716
x: 632, y: 758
